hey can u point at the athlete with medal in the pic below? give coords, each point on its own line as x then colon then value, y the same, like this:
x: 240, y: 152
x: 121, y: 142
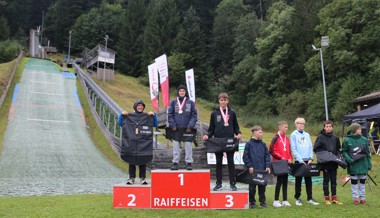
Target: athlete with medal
x: 224, y: 124
x: 279, y: 148
x: 182, y: 117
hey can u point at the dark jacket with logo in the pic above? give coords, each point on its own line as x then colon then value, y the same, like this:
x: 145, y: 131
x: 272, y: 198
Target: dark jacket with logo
x: 256, y: 155
x: 328, y: 142
x: 217, y: 127
x: 137, y: 138
x: 187, y: 119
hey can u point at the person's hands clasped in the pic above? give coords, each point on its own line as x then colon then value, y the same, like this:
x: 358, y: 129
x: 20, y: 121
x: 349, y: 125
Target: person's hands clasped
x: 150, y: 113
x: 205, y: 137
x: 125, y: 113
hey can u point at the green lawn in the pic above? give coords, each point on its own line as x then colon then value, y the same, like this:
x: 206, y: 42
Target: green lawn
x: 101, y: 206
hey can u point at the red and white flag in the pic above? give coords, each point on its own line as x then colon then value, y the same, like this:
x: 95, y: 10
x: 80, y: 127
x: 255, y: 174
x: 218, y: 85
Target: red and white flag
x: 153, y: 84
x: 190, y: 84
x: 162, y: 65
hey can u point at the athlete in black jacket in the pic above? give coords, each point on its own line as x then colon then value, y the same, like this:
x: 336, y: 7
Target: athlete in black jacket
x: 224, y: 124
x: 327, y: 141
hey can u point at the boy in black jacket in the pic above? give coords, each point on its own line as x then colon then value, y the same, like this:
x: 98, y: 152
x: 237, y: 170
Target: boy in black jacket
x: 224, y: 124
x: 256, y: 157
x: 327, y: 141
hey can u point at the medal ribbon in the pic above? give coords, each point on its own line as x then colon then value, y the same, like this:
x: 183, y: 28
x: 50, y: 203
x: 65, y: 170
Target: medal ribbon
x: 224, y: 116
x: 282, y: 141
x: 180, y: 106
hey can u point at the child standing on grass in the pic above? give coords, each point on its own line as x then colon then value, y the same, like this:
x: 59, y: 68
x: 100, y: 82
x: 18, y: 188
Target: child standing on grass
x: 138, y: 107
x: 280, y: 150
x: 357, y: 169
x: 256, y: 157
x: 302, y: 150
x: 224, y: 124
x: 327, y: 141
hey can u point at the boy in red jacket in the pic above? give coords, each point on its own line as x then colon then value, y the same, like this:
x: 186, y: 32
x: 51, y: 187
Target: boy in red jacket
x: 280, y: 150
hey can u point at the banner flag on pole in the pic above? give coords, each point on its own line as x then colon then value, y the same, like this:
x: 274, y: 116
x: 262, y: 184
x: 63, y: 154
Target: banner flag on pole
x: 190, y: 84
x: 153, y: 85
x: 162, y: 66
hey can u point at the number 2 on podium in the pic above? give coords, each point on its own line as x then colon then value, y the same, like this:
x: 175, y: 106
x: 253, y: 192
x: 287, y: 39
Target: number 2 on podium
x: 181, y: 180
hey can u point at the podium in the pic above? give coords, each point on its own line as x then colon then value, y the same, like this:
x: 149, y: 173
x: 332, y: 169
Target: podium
x: 180, y: 189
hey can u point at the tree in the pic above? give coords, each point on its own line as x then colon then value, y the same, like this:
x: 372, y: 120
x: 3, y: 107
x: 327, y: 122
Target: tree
x: 247, y: 31
x: 160, y: 31
x: 228, y: 14
x: 4, y: 28
x: 131, y: 38
x: 274, y: 53
x: 60, y: 17
x: 191, y: 42
x: 353, y: 52
x: 90, y: 28
x: 18, y: 13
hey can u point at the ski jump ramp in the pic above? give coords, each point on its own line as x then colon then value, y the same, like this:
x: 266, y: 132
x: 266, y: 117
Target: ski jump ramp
x: 47, y: 149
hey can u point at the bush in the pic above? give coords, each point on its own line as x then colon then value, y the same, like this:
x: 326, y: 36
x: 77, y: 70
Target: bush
x: 9, y: 50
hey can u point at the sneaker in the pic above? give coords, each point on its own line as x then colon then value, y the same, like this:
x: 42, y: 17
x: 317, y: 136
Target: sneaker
x: 252, y: 205
x: 233, y: 187
x: 299, y: 202
x: 312, y: 202
x: 336, y: 202
x: 143, y: 181
x: 277, y: 204
x: 263, y: 205
x: 218, y: 187
x: 286, y: 204
x: 328, y: 202
x: 356, y: 201
x: 364, y: 202
x: 130, y: 181
x: 175, y: 166
x: 188, y: 166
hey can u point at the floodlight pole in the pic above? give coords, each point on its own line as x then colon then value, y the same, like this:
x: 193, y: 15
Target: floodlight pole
x: 324, y: 43
x: 324, y: 85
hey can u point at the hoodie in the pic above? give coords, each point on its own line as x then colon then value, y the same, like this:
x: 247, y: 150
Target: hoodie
x: 301, y: 146
x: 138, y: 101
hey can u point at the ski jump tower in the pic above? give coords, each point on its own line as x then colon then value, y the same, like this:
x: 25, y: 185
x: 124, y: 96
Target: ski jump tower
x: 100, y: 61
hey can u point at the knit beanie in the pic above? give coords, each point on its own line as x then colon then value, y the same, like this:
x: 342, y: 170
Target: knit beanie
x: 354, y: 126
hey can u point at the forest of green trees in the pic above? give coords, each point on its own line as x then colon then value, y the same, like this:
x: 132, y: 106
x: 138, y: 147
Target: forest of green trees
x: 259, y: 51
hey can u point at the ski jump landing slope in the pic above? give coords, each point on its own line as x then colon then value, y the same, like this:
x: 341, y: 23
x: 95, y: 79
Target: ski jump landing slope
x: 47, y: 149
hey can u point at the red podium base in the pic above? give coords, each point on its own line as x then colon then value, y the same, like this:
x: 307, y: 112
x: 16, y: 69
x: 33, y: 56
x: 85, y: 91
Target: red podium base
x: 131, y: 196
x: 182, y: 189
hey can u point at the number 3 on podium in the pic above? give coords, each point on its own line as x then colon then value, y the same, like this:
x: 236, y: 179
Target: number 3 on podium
x: 230, y: 202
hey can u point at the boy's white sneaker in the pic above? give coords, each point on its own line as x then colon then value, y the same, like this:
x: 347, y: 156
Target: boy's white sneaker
x: 312, y: 202
x: 299, y: 202
x: 286, y: 204
x: 277, y: 204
